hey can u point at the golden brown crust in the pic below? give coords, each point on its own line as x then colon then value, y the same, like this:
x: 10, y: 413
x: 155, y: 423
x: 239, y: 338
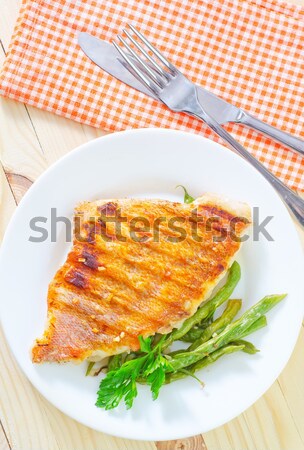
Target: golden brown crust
x: 108, y: 292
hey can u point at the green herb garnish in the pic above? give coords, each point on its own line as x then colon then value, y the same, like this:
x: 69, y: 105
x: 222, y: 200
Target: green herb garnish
x: 187, y: 197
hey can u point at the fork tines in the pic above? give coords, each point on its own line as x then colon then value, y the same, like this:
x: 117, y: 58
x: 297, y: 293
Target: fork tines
x: 153, y: 75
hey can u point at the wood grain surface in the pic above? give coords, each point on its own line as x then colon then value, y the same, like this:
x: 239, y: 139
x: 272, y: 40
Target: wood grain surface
x: 31, y: 140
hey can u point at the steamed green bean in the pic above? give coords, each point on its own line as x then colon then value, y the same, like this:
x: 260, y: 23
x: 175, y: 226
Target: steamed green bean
x: 208, y: 308
x: 232, y: 332
x: 248, y: 346
x: 261, y: 322
x: 205, y: 361
x: 195, y: 332
x: 114, y: 362
x: 232, y: 308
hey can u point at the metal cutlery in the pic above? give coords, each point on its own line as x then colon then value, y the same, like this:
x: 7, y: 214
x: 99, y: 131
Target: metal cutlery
x: 106, y: 57
x: 179, y: 94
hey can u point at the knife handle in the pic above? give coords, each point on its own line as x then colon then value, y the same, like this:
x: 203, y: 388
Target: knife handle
x: 286, y: 139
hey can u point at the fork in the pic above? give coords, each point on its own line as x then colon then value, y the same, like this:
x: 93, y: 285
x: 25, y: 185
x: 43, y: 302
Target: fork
x: 179, y: 94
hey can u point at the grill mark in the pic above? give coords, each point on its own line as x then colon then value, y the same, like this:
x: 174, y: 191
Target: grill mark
x: 145, y: 267
x: 152, y: 249
x: 137, y: 307
x: 161, y: 277
x: 134, y: 308
x: 124, y: 294
x: 77, y: 278
x: 108, y: 209
x: 161, y: 208
x: 215, y: 211
x: 90, y: 233
x: 164, y: 232
x: 85, y: 307
x: 91, y: 259
x: 220, y: 268
x: 107, y: 259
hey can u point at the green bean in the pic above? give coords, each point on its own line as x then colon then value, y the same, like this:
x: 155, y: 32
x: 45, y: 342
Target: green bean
x: 234, y: 346
x: 261, y: 322
x: 195, y: 333
x: 156, y: 338
x: 89, y: 368
x: 114, y: 362
x: 176, y: 352
x: 232, y: 332
x: 131, y: 355
x: 232, y: 308
x: 206, y: 361
x: 248, y: 346
x: 208, y: 308
x: 192, y: 335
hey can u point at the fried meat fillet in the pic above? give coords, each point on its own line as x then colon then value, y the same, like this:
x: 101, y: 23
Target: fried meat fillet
x: 137, y: 267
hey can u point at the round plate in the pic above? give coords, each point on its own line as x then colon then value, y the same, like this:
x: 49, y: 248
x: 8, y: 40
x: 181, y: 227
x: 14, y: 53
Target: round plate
x: 150, y: 163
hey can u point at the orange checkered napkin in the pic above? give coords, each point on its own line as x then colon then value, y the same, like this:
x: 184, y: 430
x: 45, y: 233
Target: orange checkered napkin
x: 249, y: 52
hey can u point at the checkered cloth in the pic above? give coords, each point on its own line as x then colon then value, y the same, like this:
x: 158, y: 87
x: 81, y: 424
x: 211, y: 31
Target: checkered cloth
x: 249, y: 52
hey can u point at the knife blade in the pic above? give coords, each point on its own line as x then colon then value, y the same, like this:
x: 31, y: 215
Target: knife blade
x: 105, y: 56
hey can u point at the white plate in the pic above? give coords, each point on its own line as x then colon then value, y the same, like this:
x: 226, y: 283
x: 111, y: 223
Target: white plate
x: 150, y: 163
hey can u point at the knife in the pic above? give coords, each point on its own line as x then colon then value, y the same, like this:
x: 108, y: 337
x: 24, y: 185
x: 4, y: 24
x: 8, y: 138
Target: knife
x: 107, y: 58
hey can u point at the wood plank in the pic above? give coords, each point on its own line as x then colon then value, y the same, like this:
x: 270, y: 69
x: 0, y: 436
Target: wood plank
x: 269, y: 423
x: 23, y: 417
x: 57, y: 135
x: 8, y: 17
x: 292, y: 386
x: 235, y: 435
x: 7, y: 207
x: 272, y: 422
x: 4, y: 443
x: 192, y: 443
x: 20, y: 152
x: 7, y: 203
x: 72, y: 435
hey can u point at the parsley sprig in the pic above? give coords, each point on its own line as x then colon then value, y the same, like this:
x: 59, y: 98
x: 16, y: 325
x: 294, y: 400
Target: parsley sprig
x: 120, y: 384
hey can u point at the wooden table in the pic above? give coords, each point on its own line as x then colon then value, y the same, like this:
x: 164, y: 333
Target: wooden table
x: 31, y: 140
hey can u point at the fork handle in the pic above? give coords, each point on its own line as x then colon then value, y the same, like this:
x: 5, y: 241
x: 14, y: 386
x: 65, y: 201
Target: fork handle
x: 286, y: 139
x: 292, y: 200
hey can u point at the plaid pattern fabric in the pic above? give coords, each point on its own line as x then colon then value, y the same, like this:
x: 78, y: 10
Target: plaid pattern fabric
x: 249, y: 52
